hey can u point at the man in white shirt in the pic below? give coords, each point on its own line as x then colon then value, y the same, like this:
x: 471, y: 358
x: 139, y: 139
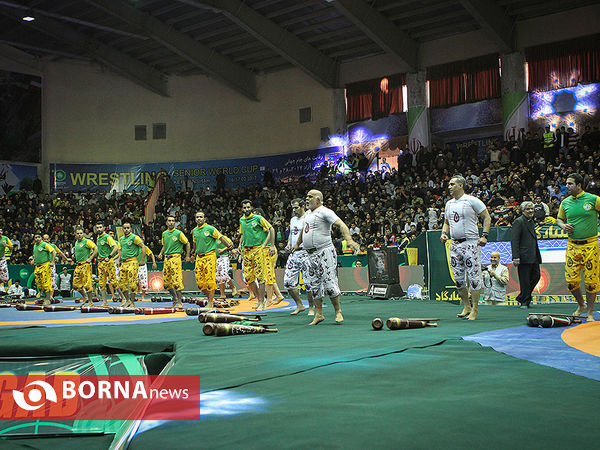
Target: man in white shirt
x: 16, y: 290
x: 297, y: 260
x: 460, y: 221
x: 64, y: 284
x: 495, y: 279
x: 321, y: 273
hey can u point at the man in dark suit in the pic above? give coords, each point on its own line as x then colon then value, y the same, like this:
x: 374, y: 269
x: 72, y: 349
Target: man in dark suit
x: 526, y: 253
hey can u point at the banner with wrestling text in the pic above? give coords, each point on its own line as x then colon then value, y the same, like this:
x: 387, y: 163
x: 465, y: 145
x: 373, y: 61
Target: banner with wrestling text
x: 203, y: 174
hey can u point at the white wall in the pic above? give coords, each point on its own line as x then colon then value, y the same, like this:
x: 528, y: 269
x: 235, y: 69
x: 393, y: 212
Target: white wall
x: 89, y: 116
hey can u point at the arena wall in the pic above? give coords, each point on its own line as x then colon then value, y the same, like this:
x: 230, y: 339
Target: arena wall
x: 89, y: 116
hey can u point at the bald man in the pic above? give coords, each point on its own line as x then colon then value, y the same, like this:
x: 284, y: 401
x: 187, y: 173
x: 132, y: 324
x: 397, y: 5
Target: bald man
x: 495, y: 279
x: 321, y: 275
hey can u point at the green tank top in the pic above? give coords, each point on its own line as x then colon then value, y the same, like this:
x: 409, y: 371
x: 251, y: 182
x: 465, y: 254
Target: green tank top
x: 252, y: 231
x: 171, y: 241
x: 104, y: 249
x: 203, y: 237
x: 82, y: 251
x: 582, y: 214
x: 3, y: 240
x: 129, y: 248
x: 41, y: 253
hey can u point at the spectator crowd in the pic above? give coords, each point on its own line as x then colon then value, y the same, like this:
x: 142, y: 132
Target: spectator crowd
x: 388, y: 207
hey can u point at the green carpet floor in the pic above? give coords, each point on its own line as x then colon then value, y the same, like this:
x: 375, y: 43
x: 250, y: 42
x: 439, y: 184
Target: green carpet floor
x: 347, y: 386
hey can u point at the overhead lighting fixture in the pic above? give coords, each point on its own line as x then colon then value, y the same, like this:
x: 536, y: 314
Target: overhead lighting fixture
x: 28, y: 18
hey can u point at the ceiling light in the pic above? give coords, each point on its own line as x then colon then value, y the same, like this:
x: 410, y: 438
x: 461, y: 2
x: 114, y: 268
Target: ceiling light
x: 28, y: 18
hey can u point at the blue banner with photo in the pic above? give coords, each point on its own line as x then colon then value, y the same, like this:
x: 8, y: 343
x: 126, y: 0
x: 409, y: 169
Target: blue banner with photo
x: 141, y: 177
x: 16, y: 177
x: 469, y: 115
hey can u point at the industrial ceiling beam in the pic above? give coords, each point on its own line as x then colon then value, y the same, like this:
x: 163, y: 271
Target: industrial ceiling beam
x: 493, y: 20
x: 381, y: 30
x: 211, y: 62
x: 316, y: 64
x: 124, y: 64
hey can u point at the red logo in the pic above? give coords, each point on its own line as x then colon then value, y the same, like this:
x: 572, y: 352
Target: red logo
x: 99, y: 397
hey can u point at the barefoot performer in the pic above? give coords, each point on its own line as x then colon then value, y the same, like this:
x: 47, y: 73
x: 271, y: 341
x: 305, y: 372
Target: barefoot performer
x: 107, y: 249
x: 297, y: 260
x: 85, y: 251
x: 43, y: 258
x: 205, y: 251
x: 460, y: 220
x: 321, y: 273
x: 173, y: 241
x: 578, y: 216
x: 256, y: 235
x: 223, y: 267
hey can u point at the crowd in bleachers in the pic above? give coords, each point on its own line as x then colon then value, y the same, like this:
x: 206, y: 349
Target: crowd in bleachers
x: 381, y: 208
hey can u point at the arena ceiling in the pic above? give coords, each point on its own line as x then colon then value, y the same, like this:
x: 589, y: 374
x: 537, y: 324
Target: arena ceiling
x: 235, y: 40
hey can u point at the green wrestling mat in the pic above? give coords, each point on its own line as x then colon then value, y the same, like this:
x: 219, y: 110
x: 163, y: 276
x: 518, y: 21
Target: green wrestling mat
x: 344, y: 386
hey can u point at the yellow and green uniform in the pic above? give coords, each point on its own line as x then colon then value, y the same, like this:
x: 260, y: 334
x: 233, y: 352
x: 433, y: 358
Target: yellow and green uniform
x: 269, y: 268
x: 106, y: 269
x: 4, y: 276
x: 130, y: 247
x: 581, y: 211
x: 173, y: 241
x: 42, y: 253
x: 254, y: 230
x: 206, y: 238
x: 82, y: 275
x: 5, y: 242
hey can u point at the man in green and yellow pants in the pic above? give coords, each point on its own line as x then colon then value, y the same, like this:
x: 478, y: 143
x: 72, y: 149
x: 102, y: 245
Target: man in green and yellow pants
x: 205, y: 248
x: 173, y: 241
x: 578, y: 216
x: 131, y: 253
x: 43, y: 258
x: 85, y: 252
x: 107, y: 249
x: 256, y: 234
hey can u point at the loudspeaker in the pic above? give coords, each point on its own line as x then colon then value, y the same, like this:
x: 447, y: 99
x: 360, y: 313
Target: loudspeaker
x: 325, y: 133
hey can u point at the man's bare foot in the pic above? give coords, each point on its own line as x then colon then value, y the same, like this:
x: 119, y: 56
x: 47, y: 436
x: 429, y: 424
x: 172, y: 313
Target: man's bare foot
x: 317, y: 319
x: 124, y: 303
x: 235, y: 293
x: 579, y: 311
x: 311, y: 311
x: 104, y: 303
x: 465, y: 312
x: 277, y: 300
x: 46, y: 302
x: 472, y: 316
x: 260, y: 306
x: 338, y: 317
x: 590, y: 317
x: 298, y: 309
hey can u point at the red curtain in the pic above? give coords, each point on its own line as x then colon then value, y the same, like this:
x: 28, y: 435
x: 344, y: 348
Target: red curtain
x: 564, y: 64
x: 446, y: 84
x: 371, y: 99
x: 482, y: 78
x: 464, y: 81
